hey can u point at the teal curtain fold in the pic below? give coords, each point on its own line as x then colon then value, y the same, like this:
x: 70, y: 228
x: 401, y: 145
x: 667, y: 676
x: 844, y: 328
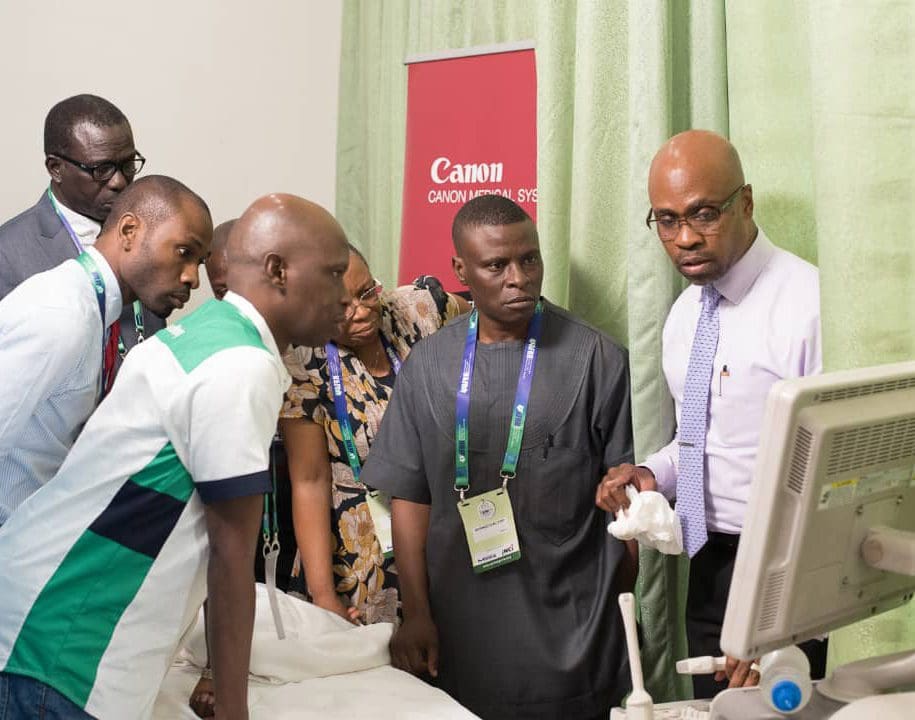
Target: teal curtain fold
x: 818, y: 97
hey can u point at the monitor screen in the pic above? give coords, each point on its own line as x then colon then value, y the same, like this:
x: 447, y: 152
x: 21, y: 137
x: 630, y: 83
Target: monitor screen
x: 836, y: 460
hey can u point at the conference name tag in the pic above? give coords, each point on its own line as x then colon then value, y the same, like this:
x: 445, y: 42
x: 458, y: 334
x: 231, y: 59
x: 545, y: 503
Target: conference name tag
x: 489, y: 525
x: 380, y: 510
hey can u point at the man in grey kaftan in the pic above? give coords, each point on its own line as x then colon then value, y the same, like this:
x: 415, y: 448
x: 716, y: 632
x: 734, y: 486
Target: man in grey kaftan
x: 540, y: 637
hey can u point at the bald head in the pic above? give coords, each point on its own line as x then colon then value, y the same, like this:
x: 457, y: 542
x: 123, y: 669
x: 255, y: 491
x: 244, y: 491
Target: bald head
x: 697, y: 155
x: 285, y: 224
x: 216, y: 263
x: 697, y: 176
x: 288, y: 256
x: 221, y: 235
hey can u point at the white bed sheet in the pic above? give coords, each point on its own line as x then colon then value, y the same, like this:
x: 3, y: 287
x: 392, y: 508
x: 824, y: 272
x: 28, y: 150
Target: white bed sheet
x: 382, y: 693
x: 325, y: 668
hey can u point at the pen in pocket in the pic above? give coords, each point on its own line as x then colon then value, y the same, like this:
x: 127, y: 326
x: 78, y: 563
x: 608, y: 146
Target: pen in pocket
x: 723, y: 374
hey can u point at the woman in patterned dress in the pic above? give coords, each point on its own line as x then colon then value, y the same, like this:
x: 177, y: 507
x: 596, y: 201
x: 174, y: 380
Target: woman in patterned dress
x: 345, y: 570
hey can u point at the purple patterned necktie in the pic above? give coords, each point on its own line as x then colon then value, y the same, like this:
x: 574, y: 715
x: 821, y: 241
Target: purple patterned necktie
x: 694, y: 424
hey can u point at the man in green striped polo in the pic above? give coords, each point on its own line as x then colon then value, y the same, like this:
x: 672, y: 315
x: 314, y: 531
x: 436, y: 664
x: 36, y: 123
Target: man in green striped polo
x: 157, y: 505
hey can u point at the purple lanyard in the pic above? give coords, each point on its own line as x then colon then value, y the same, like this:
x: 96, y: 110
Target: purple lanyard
x: 66, y: 223
x: 396, y: 364
x: 519, y: 409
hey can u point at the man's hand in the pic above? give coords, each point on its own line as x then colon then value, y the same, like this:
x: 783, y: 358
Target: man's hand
x: 203, y: 699
x: 332, y: 602
x: 414, y: 647
x: 739, y: 673
x: 611, y: 492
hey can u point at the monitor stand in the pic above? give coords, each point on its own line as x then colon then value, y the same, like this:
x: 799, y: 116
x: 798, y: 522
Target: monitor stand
x: 890, y: 550
x: 872, y: 676
x: 749, y: 704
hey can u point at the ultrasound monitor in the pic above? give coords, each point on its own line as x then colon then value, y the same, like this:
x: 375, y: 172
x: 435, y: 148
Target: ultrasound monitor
x: 829, y: 535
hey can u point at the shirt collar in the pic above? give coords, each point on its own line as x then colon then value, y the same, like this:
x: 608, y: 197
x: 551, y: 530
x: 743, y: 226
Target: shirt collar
x: 114, y: 303
x: 86, y: 228
x: 740, y: 278
x: 245, y: 307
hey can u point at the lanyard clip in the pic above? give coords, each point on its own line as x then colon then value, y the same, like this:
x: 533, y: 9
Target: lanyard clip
x: 271, y: 546
x: 506, y: 476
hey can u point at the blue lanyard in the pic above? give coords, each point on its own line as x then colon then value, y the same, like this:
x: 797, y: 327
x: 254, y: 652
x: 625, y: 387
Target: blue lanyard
x: 340, y: 406
x: 519, y: 411
x: 98, y: 284
x: 137, y: 306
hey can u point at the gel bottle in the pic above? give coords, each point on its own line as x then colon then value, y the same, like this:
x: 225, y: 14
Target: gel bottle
x: 785, y: 679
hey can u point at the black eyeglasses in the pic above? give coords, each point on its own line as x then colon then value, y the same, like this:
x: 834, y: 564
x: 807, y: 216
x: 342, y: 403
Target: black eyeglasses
x: 703, y: 221
x: 104, y: 171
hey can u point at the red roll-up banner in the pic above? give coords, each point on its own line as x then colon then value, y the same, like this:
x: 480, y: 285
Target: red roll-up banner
x: 471, y: 130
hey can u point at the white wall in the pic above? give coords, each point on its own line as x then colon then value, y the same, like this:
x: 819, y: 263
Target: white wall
x: 236, y: 99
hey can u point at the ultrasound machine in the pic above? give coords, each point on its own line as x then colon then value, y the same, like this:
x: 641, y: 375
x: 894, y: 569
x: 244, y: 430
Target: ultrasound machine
x: 829, y: 539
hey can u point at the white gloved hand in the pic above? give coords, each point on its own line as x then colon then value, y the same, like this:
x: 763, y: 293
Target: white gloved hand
x: 650, y: 520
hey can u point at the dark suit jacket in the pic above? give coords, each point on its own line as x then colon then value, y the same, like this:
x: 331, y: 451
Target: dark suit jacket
x: 36, y: 240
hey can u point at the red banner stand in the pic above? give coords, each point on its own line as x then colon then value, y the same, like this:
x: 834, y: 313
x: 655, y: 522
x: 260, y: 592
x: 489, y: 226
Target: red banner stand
x: 471, y: 130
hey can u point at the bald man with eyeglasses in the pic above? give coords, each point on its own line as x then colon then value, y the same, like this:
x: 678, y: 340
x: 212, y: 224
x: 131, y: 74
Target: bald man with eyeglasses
x: 750, y: 317
x: 90, y: 157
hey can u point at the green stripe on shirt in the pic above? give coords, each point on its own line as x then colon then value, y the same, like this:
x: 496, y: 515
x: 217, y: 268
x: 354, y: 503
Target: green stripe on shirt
x: 166, y: 474
x: 216, y: 325
x: 71, y: 622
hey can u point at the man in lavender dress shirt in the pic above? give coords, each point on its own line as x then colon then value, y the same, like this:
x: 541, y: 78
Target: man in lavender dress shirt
x: 769, y: 329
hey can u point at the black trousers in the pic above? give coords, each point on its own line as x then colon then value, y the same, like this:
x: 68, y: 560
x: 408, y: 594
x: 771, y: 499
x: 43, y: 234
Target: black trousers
x: 710, y: 574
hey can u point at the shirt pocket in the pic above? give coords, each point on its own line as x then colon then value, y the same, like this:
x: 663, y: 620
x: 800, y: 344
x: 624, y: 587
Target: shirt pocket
x: 737, y: 401
x: 555, y: 486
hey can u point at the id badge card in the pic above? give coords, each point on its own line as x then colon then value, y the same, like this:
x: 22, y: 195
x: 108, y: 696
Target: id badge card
x: 380, y: 510
x: 489, y: 525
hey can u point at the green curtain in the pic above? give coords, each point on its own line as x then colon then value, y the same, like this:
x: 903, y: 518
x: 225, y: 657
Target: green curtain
x: 822, y: 107
x: 818, y: 97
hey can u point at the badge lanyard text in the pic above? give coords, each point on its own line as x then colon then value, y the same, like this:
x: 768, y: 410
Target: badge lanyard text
x: 519, y: 409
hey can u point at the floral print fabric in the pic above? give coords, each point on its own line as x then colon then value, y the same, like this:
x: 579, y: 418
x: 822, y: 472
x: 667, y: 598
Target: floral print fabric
x: 363, y: 577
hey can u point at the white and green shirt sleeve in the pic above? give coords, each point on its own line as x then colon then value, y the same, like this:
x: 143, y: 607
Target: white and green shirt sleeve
x: 222, y: 409
x: 105, y: 566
